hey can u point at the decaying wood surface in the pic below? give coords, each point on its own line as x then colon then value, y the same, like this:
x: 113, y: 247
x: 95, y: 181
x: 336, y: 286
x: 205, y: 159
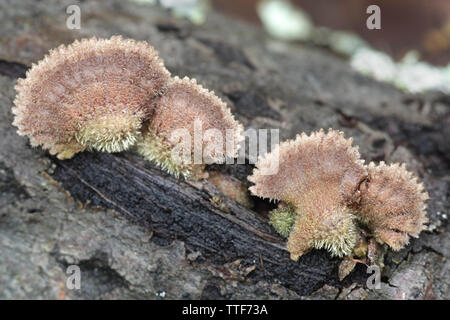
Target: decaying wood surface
x: 170, y: 238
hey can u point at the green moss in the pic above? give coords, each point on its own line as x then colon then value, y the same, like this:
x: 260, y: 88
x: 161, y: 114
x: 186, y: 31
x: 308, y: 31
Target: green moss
x: 283, y: 220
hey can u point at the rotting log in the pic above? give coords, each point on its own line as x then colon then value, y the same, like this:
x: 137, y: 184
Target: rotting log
x: 291, y: 87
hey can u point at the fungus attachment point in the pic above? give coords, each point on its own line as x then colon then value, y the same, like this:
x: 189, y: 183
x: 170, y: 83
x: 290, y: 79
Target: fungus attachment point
x: 190, y: 127
x: 393, y: 204
x: 110, y: 133
x: 283, y: 219
x: 318, y: 177
x: 92, y: 94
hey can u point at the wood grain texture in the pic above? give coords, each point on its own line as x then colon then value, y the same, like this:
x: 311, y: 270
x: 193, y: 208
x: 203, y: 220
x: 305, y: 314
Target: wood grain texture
x: 291, y: 87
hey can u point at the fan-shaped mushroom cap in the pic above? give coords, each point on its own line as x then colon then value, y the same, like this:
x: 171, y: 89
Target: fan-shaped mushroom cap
x: 393, y: 204
x: 92, y: 94
x: 319, y: 176
x: 188, y: 109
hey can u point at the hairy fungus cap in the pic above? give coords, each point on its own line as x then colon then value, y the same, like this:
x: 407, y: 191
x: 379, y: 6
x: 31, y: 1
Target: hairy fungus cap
x: 92, y: 94
x: 319, y: 176
x: 202, y: 119
x: 393, y: 204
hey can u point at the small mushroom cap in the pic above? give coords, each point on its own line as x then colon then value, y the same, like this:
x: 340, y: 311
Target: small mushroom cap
x: 188, y: 108
x: 393, y: 204
x: 319, y: 176
x: 85, y: 81
x: 321, y: 162
x: 187, y: 102
x: 283, y: 219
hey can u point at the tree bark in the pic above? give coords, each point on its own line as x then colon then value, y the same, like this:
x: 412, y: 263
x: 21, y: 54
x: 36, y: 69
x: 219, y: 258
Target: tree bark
x: 182, y: 239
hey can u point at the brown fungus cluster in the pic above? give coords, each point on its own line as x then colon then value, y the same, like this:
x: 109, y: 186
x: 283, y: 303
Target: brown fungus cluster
x: 191, y: 113
x: 318, y: 176
x: 325, y: 189
x: 90, y: 95
x: 393, y: 204
x: 111, y: 94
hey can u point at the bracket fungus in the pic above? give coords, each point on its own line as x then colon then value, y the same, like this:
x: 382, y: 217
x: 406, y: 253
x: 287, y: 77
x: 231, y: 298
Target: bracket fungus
x: 325, y: 190
x: 393, y: 204
x: 318, y: 177
x: 111, y: 94
x: 190, y: 127
x: 90, y: 95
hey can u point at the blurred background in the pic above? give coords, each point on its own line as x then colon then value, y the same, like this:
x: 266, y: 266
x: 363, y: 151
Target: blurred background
x: 422, y: 25
x: 277, y: 79
x: 411, y: 50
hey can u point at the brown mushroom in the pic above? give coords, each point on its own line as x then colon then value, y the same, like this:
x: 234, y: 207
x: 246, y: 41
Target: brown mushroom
x: 182, y: 120
x: 92, y: 94
x: 318, y: 177
x: 393, y: 204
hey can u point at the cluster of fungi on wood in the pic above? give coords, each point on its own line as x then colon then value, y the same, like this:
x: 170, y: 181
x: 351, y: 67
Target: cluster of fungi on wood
x: 111, y: 95
x: 324, y: 189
